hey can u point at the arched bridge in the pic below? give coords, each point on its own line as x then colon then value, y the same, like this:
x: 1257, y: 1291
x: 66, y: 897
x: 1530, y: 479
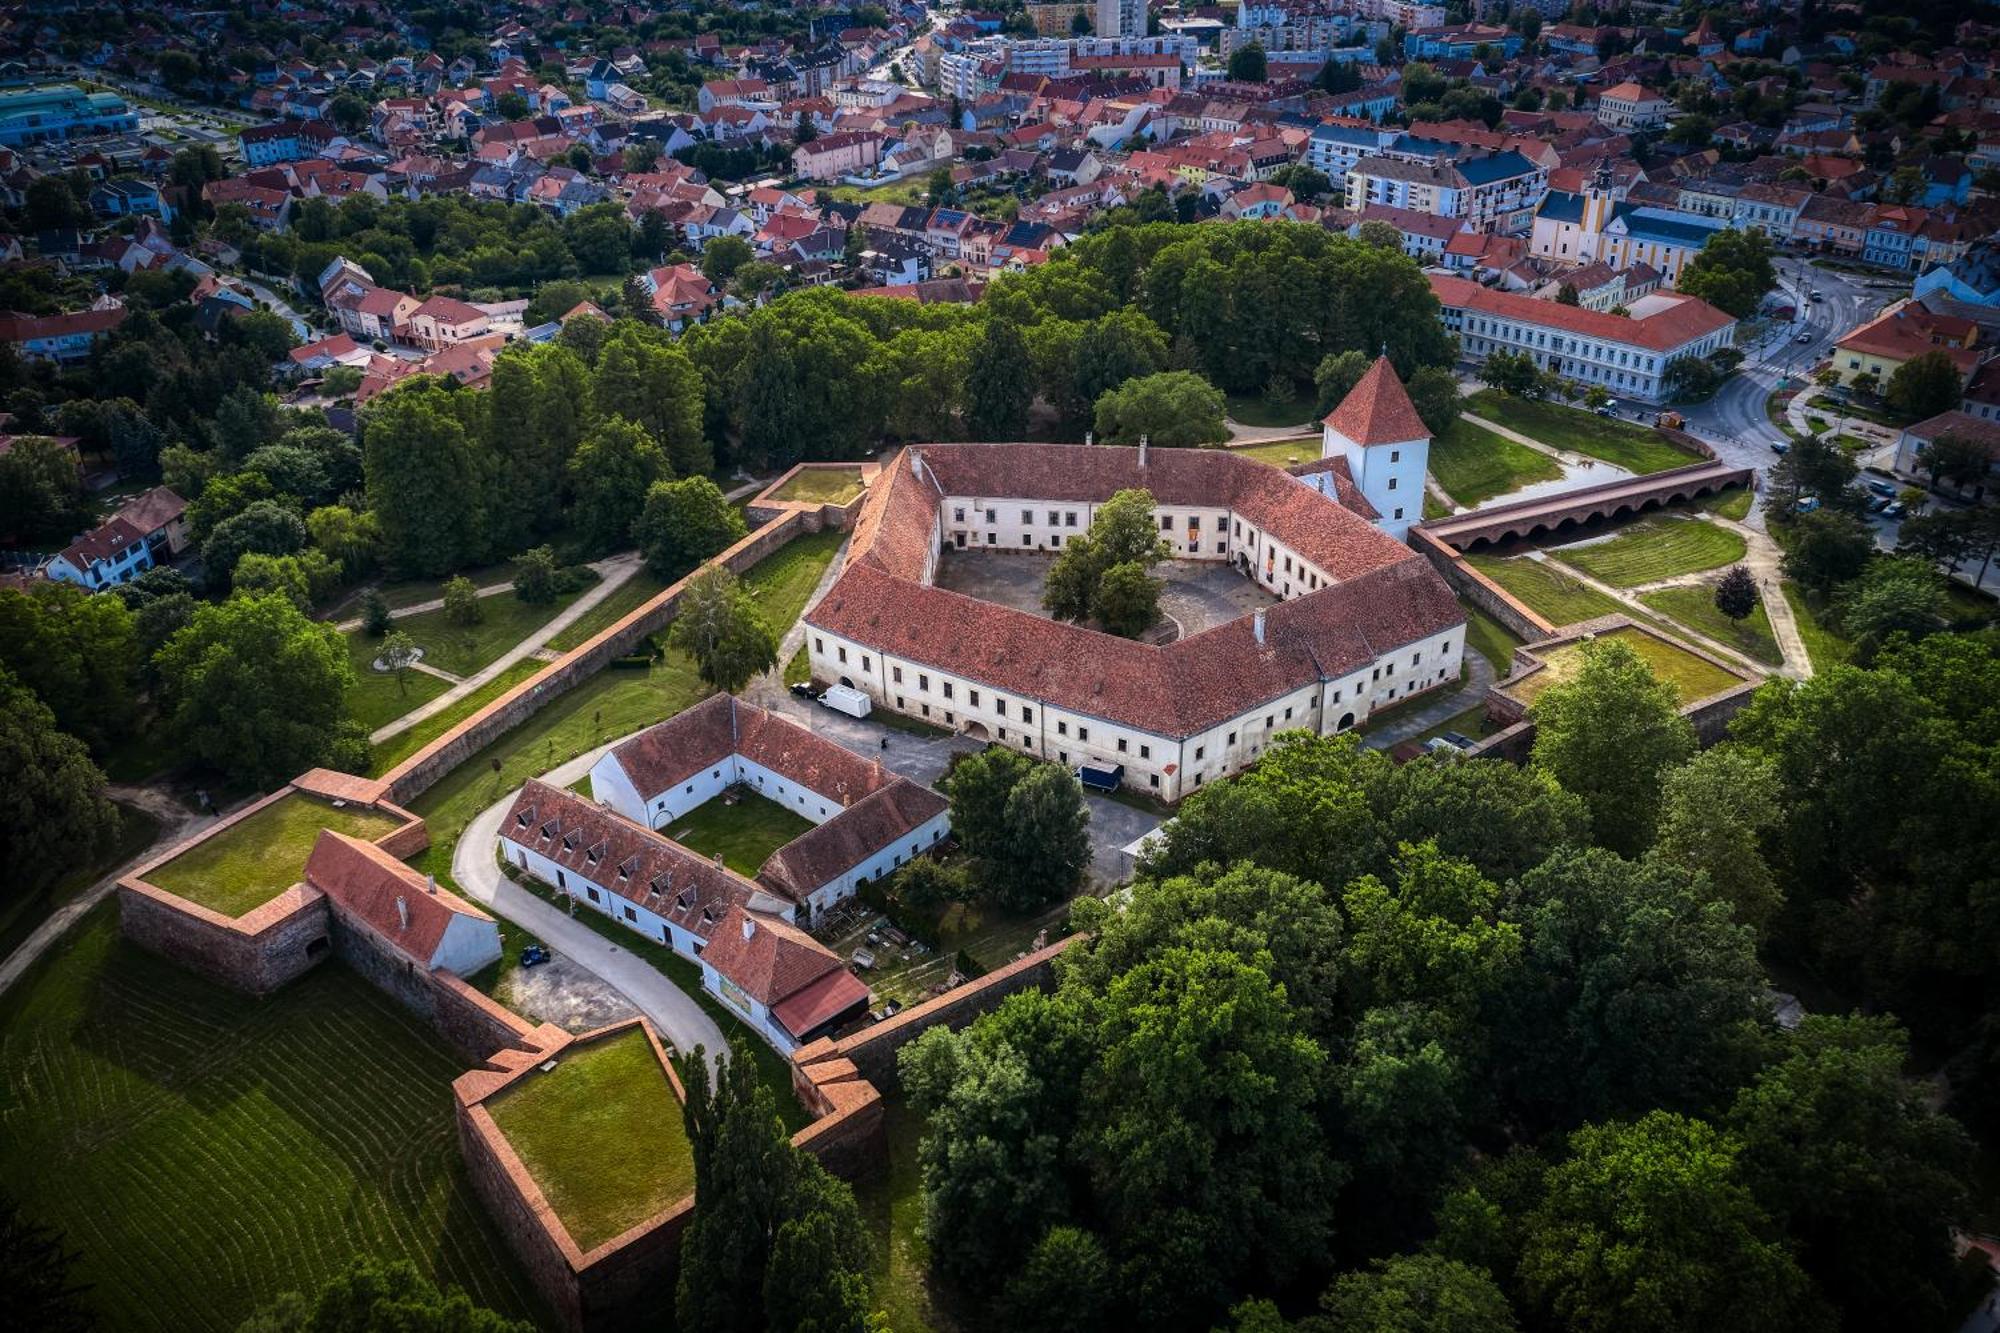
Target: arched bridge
x: 1572, y: 509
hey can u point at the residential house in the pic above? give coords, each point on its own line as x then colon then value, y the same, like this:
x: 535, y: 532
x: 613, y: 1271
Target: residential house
x: 442, y: 321
x: 1874, y: 352
x: 67, y: 337
x: 146, y: 530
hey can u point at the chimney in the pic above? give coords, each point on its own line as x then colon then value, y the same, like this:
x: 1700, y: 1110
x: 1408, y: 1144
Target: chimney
x: 1142, y: 451
x: 402, y: 913
x: 749, y: 926
x: 431, y: 885
x: 1257, y: 626
x: 917, y: 462
x: 718, y: 859
x: 1089, y: 438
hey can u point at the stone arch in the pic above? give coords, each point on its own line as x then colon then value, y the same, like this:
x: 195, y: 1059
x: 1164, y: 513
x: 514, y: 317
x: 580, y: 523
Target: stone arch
x: 1621, y: 511
x: 849, y: 683
x: 1568, y: 523
x: 977, y: 731
x: 1346, y: 721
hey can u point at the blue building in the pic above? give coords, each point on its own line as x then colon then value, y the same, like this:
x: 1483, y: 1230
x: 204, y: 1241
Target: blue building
x: 43, y: 115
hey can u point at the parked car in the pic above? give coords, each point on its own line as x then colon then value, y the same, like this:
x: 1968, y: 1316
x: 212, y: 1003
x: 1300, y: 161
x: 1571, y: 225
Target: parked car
x: 1803, y: 338
x: 846, y: 699
x: 1808, y: 503
x: 1443, y: 749
x: 1781, y: 446
x: 804, y: 690
x: 1882, y: 488
x: 1895, y: 509
x: 1460, y: 739
x: 1877, y: 505
x: 1816, y: 296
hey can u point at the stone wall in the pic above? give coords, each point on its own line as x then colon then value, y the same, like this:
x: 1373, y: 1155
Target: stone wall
x: 255, y: 953
x: 455, y: 1011
x: 765, y: 508
x: 415, y: 775
x: 1519, y: 619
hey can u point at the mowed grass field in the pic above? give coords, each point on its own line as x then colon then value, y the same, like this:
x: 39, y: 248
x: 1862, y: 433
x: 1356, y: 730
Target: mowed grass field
x: 205, y: 1152
x: 602, y: 1135
x: 745, y: 834
x: 1691, y: 677
x: 256, y: 858
x: 1621, y: 443
x: 1555, y: 596
x: 1693, y: 605
x: 1474, y: 464
x: 826, y: 485
x: 1656, y: 548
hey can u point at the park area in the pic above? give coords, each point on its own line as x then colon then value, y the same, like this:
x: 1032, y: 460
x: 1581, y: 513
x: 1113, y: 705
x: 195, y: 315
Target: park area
x: 205, y: 1153
x: 743, y: 833
x: 255, y: 859
x: 1660, y: 547
x: 1692, y: 678
x: 1637, y: 449
x: 1473, y: 464
x: 601, y: 1134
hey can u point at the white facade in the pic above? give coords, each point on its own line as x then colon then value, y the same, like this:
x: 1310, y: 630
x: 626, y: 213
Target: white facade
x: 593, y: 892
x: 1121, y: 18
x: 1390, y: 475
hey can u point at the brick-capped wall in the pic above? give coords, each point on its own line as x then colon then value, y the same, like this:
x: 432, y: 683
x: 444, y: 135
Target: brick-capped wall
x: 1520, y: 620
x: 256, y: 953
x: 415, y: 775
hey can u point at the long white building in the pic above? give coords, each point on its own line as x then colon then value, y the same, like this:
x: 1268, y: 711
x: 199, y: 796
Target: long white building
x: 1362, y: 621
x: 1627, y: 354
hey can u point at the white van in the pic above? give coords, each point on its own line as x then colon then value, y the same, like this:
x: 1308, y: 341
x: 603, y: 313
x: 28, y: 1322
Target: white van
x: 848, y: 700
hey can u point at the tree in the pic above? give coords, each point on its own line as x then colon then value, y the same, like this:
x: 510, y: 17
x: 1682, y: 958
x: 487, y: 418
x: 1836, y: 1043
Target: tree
x: 1113, y: 349
x: 1813, y: 467
x: 281, y: 574
x: 1418, y: 1293
x: 462, y: 605
x: 719, y: 626
x: 36, y: 1265
x: 684, y: 523
x: 53, y: 205
x: 1608, y: 734
x: 1567, y: 295
x: 1690, y: 378
x: 722, y: 256
x: 1635, y: 990
x: 1502, y: 818
x: 1174, y: 409
x: 1434, y: 393
x: 1123, y: 531
x: 1024, y: 821
x: 61, y: 815
x: 254, y: 688
x: 1828, y: 548
x: 1848, y: 1155
x: 1942, y: 539
x: 1336, y: 377
x: 646, y: 379
x: 512, y: 106
x: 1732, y: 272
x: 1894, y: 595
x: 1127, y: 601
x: 77, y: 652
x: 399, y: 652
x: 428, y: 478
x: 998, y: 388
x: 535, y: 576
x: 373, y: 1294
x: 1512, y: 373
x: 1065, y: 1286
x: 777, y: 1243
x: 351, y: 540
x: 1736, y: 593
x: 1956, y: 458
x: 41, y: 492
x: 1714, y: 812
x: 1379, y: 234
x: 1247, y: 64
x: 1925, y: 385
x: 926, y: 884
x: 1649, y: 1228
x: 375, y: 619
x: 610, y: 476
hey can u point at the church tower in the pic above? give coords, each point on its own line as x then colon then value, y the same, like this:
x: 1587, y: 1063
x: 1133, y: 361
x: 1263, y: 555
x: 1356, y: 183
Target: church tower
x: 1377, y: 431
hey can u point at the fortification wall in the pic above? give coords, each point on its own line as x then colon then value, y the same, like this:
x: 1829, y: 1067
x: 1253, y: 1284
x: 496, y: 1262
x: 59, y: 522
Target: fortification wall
x: 468, y: 1020
x: 415, y: 775
x: 1519, y: 619
x: 255, y: 953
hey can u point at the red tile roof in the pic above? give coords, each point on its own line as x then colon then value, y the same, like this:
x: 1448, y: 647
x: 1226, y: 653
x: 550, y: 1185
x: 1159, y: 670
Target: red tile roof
x: 398, y: 903
x: 1378, y: 410
x: 773, y: 961
x: 820, y: 1002
x: 1685, y: 320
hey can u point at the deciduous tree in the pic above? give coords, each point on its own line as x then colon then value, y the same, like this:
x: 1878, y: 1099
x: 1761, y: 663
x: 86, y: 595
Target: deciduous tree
x: 684, y: 523
x: 1714, y: 812
x: 1607, y: 735
x: 609, y: 475
x: 1925, y: 385
x: 1173, y: 409
x: 719, y: 626
x: 61, y: 816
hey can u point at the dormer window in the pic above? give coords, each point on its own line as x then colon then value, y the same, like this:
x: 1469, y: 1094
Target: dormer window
x: 596, y: 853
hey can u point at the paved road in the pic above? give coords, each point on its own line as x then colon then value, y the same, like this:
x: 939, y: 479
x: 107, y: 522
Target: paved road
x: 674, y: 1012
x: 613, y: 571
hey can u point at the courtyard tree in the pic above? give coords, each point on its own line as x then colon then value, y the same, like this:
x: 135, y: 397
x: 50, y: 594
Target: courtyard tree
x: 61, y: 816
x: 1247, y: 64
x: 1123, y: 532
x: 684, y: 523
x: 1173, y: 409
x: 1925, y: 385
x: 1736, y: 593
x: 719, y: 626
x: 609, y: 476
x: 1127, y: 601
x: 1608, y: 734
x: 255, y: 689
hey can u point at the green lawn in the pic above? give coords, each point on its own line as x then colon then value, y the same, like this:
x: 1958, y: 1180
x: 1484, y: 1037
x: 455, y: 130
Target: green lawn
x: 910, y: 190
x: 1490, y: 639
x: 1823, y: 646
x: 1474, y: 464
x: 822, y: 485
x: 1694, y: 607
x: 1434, y: 508
x: 1256, y: 409
x: 1656, y: 548
x: 1853, y: 444
x: 411, y: 591
x: 602, y: 1135
x: 1691, y: 677
x: 377, y: 698
x: 892, y: 1208
x: 413, y: 738
x: 745, y: 833
x: 205, y: 1153
x: 798, y: 671
x: 1472, y: 722
x: 620, y: 602
x: 1550, y: 593
x: 1635, y: 448
x: 463, y: 649
x: 254, y: 859
x: 1733, y: 503
x: 1282, y: 453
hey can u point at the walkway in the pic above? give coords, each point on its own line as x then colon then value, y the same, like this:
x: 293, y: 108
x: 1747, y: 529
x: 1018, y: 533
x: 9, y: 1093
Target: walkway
x: 177, y: 824
x: 613, y: 573
x: 1470, y: 693
x: 680, y: 1020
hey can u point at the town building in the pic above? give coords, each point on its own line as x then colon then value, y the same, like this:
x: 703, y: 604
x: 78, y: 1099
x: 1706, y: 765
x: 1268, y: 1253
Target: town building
x: 1626, y: 354
x: 1631, y: 106
x: 1983, y: 430
x: 44, y: 115
x: 1600, y: 225
x: 783, y: 982
x: 147, y: 530
x: 65, y: 337
x: 1878, y: 349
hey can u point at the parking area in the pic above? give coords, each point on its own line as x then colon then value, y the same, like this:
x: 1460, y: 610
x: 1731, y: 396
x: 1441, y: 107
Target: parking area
x: 1199, y: 594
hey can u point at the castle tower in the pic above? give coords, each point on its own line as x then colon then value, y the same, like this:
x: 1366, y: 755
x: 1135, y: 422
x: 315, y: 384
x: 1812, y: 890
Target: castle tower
x: 1377, y: 430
